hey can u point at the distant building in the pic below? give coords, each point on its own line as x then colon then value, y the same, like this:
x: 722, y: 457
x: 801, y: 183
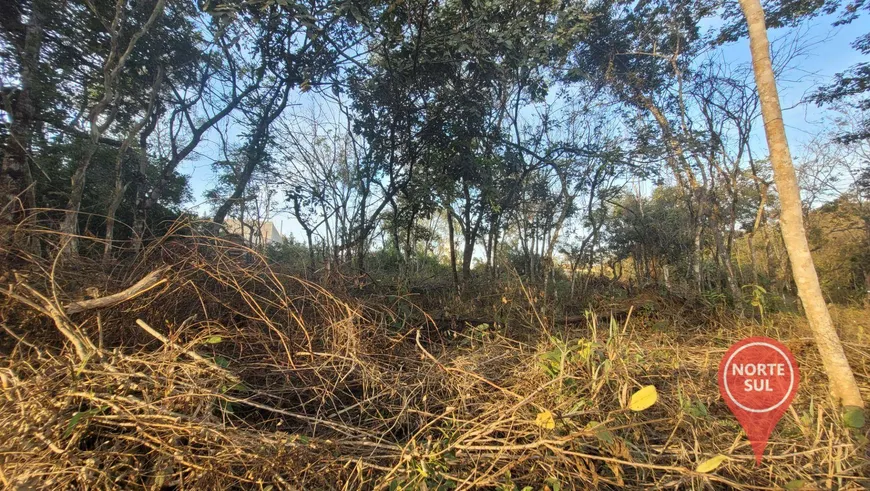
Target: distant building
x: 268, y: 233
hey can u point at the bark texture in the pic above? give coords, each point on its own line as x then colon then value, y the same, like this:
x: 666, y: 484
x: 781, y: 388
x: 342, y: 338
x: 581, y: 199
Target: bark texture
x: 843, y: 385
x: 17, y: 194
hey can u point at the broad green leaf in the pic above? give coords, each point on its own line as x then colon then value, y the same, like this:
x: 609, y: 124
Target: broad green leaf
x: 696, y: 409
x: 710, y: 465
x: 545, y: 420
x: 213, y: 340
x: 853, y: 416
x: 644, y: 398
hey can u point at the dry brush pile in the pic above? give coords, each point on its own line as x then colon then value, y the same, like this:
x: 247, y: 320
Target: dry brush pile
x: 201, y: 366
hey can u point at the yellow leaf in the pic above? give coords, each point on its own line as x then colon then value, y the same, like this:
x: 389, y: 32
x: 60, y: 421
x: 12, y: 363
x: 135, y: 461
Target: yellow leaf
x: 643, y: 398
x: 545, y: 420
x: 710, y: 465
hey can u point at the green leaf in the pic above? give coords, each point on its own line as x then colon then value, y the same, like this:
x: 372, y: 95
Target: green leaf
x: 554, y: 483
x: 601, y: 432
x: 644, y: 398
x: 82, y: 416
x: 213, y: 340
x: 696, y: 409
x: 853, y: 416
x: 796, y: 484
x: 221, y: 361
x: 711, y: 465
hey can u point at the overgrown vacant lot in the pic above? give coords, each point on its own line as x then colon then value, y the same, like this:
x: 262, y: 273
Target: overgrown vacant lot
x: 428, y: 245
x: 228, y: 373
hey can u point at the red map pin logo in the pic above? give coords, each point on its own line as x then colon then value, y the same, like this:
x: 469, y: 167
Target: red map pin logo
x: 758, y: 378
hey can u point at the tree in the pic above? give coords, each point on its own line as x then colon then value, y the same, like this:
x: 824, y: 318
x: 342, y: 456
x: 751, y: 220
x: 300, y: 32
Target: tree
x: 102, y: 114
x: 843, y: 385
x: 642, y: 54
x: 17, y: 193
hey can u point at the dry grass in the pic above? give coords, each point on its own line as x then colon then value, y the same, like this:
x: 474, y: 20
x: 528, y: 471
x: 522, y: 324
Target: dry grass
x: 256, y: 379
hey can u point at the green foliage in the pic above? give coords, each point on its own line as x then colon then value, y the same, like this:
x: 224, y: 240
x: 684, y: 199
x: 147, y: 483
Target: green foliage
x: 837, y: 234
x: 601, y: 432
x: 758, y: 298
x: 647, y: 228
x: 82, y: 417
x: 694, y: 408
x: 566, y: 354
x: 853, y: 416
x: 797, y: 484
x: 289, y: 253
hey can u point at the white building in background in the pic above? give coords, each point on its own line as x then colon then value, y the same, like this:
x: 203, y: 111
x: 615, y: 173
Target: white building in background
x: 267, y: 233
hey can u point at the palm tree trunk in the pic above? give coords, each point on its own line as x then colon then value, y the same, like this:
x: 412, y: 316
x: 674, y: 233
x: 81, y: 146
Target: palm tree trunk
x: 840, y: 375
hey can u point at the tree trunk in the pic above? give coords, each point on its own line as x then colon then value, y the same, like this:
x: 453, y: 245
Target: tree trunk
x: 223, y: 210
x: 724, y: 256
x: 255, y: 153
x: 140, y: 211
x: 697, y: 256
x: 467, y: 256
x: 114, y: 204
x: 69, y: 227
x: 843, y: 385
x: 17, y: 194
x: 310, y: 239
x: 495, y: 236
x: 452, y: 236
x: 488, y: 246
x: 141, y: 158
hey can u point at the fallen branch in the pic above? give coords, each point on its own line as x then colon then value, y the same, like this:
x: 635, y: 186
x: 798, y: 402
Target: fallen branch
x: 148, y: 282
x: 42, y: 304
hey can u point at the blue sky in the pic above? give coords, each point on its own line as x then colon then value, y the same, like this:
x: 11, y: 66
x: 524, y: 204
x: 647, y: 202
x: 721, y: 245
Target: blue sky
x: 828, y: 53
